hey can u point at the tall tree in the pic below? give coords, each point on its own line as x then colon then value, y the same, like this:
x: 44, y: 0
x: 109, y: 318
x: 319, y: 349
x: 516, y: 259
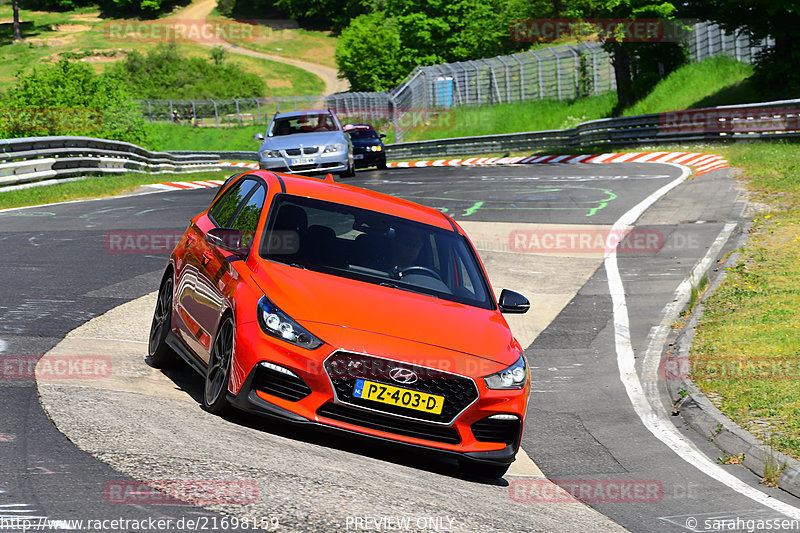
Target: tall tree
x: 15, y: 9
x: 779, y: 19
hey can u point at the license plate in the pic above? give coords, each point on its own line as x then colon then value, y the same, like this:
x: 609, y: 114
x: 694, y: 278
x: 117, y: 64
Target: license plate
x: 303, y: 161
x: 358, y: 156
x: 378, y: 392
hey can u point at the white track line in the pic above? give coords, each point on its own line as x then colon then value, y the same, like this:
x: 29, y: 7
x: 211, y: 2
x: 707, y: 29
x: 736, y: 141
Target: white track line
x: 3, y: 346
x: 652, y: 417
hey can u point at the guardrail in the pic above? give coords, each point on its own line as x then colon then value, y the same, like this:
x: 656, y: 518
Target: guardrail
x: 44, y: 158
x: 766, y: 120
x: 33, y: 159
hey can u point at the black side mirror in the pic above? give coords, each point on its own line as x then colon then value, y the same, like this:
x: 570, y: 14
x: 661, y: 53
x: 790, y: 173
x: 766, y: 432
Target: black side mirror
x: 513, y: 302
x: 227, y: 239
x: 382, y: 135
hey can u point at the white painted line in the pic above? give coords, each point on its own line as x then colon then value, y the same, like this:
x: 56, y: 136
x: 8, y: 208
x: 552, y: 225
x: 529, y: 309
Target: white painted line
x: 684, y: 158
x: 161, y: 186
x: 3, y: 346
x: 654, y: 419
x: 524, y: 466
x: 578, y: 158
x: 218, y: 182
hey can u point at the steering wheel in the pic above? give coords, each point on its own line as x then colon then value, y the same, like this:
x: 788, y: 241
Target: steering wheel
x: 421, y: 269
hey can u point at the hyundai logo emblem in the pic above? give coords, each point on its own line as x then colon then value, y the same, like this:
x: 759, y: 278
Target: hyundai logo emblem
x: 403, y: 375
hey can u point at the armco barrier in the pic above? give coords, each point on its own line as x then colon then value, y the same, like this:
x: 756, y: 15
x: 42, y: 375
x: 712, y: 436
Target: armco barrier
x: 34, y: 159
x: 766, y: 120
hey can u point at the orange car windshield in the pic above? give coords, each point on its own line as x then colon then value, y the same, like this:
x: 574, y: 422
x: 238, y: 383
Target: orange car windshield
x: 374, y: 247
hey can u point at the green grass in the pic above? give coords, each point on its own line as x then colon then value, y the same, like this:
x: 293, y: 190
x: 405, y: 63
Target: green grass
x: 184, y: 137
x: 752, y: 318
x: 715, y: 81
x: 44, y: 43
x: 296, y: 43
x: 95, y: 187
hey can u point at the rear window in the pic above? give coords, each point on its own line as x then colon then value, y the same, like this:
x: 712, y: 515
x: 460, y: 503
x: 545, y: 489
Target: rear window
x: 374, y: 247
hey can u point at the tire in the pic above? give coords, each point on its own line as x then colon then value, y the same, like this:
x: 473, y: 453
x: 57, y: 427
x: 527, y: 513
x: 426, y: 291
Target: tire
x: 483, y: 470
x: 159, y: 354
x: 351, y: 169
x: 218, y: 373
x: 381, y: 164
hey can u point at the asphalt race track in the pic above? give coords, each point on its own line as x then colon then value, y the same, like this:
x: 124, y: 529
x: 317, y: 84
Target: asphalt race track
x: 606, y: 435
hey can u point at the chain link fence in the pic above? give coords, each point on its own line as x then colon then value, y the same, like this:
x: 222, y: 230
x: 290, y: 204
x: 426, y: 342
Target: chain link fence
x: 428, y: 94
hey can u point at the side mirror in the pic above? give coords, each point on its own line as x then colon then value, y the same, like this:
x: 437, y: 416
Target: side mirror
x: 227, y: 239
x: 513, y: 302
x: 259, y: 137
x: 382, y: 135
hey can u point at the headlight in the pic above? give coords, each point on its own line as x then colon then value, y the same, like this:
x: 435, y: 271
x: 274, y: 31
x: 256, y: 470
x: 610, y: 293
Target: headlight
x: 375, y: 148
x: 276, y: 323
x: 338, y: 147
x: 513, y: 377
x: 270, y: 154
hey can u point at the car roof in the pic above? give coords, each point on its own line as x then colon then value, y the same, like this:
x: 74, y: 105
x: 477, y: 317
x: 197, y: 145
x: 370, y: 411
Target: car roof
x: 301, y: 113
x: 357, y: 197
x: 359, y: 126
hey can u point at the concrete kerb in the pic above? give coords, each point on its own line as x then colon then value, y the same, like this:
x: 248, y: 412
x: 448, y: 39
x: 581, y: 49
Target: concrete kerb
x: 704, y: 417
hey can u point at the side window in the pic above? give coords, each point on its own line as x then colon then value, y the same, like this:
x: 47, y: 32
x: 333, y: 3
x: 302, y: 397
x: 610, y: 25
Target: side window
x: 225, y: 208
x: 247, y: 219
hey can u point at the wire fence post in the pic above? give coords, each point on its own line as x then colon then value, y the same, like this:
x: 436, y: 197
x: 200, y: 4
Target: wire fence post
x: 216, y: 113
x: 541, y: 81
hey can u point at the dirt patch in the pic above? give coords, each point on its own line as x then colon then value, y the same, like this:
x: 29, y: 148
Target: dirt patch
x: 71, y: 28
x: 53, y: 41
x: 87, y: 17
x: 273, y: 84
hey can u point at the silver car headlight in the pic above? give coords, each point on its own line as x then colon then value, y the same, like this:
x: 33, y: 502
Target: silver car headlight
x: 338, y: 147
x: 513, y: 377
x: 270, y: 154
x: 278, y: 324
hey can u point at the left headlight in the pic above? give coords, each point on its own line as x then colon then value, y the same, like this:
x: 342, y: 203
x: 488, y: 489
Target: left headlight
x: 513, y: 377
x: 338, y: 147
x: 278, y: 324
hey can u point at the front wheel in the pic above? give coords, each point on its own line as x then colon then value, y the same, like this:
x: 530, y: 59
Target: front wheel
x: 159, y: 354
x: 215, y: 392
x: 351, y: 169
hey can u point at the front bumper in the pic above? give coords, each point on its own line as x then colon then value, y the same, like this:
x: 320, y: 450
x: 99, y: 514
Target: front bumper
x: 310, y: 400
x: 330, y: 162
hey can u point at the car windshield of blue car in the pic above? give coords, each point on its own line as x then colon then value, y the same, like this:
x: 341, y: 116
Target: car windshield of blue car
x: 306, y: 123
x: 363, y: 134
x: 374, y: 247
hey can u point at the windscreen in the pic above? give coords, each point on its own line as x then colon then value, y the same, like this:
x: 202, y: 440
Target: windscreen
x: 306, y: 123
x: 362, y: 134
x: 374, y: 247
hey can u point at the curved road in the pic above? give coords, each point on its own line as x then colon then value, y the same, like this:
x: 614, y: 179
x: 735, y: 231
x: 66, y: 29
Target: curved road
x: 584, y: 428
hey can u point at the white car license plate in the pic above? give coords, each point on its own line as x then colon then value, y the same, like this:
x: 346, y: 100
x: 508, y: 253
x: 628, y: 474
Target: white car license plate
x: 302, y: 161
x: 358, y: 156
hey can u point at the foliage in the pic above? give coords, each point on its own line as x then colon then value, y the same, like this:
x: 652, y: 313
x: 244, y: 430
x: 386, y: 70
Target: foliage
x: 70, y: 99
x: 164, y: 73
x: 143, y: 8
x: 778, y: 19
x: 368, y: 52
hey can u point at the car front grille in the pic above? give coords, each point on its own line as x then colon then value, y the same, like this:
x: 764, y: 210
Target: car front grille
x: 344, y: 368
x: 406, y: 428
x: 284, y: 386
x: 306, y: 150
x: 493, y: 430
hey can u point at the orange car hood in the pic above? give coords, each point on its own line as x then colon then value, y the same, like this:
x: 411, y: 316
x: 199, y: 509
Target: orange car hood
x: 310, y: 297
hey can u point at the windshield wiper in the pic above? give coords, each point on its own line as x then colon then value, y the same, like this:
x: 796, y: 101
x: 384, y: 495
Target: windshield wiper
x: 406, y: 288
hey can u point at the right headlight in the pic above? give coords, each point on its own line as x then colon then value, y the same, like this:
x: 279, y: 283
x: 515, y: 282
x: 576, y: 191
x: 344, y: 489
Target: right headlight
x: 278, y: 324
x: 338, y: 147
x: 513, y: 377
x: 270, y: 154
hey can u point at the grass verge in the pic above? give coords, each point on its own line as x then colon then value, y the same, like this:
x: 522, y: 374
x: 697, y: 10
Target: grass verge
x: 746, y: 356
x: 95, y: 187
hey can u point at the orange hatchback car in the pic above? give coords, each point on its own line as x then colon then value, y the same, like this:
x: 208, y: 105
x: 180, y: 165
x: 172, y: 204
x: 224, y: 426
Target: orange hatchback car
x: 325, y: 304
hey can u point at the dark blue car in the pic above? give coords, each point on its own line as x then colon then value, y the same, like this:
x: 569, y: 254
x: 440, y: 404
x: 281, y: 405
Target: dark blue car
x: 368, y: 149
